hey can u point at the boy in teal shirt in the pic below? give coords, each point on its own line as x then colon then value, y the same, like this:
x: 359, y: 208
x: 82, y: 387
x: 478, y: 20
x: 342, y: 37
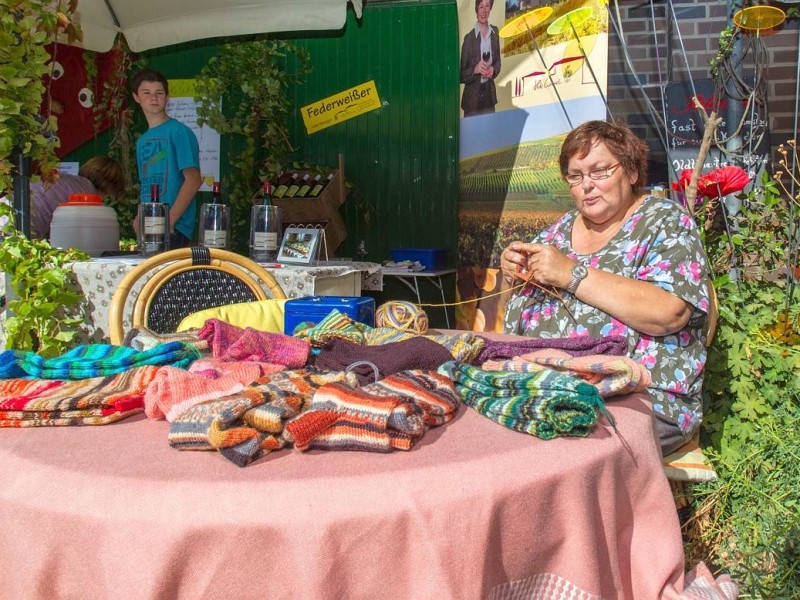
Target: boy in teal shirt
x: 167, y: 155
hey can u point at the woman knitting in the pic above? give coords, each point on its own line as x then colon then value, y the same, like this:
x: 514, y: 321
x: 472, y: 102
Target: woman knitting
x: 620, y: 263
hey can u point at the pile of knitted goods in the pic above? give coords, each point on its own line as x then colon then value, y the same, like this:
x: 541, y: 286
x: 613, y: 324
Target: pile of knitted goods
x: 545, y: 403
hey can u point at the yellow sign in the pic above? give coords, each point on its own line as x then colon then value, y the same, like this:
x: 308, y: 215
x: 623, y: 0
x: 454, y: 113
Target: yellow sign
x: 340, y: 107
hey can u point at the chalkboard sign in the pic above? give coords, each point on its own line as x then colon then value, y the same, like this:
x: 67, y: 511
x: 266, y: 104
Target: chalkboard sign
x: 685, y: 130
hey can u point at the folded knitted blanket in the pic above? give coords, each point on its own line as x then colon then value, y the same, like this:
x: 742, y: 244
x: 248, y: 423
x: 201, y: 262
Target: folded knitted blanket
x: 576, y: 346
x: 94, y: 360
x: 546, y: 404
x: 391, y: 414
x: 92, y: 401
x: 230, y: 342
x: 611, y: 375
x: 413, y: 353
x: 241, y: 426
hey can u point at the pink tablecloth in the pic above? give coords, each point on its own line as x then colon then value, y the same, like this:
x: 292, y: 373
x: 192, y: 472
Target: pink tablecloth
x: 114, y: 512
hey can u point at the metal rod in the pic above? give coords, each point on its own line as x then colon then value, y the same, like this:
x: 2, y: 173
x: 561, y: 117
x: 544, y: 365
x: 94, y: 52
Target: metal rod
x: 589, y: 64
x: 549, y: 75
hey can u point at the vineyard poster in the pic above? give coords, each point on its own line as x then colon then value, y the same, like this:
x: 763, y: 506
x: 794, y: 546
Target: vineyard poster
x: 549, y: 77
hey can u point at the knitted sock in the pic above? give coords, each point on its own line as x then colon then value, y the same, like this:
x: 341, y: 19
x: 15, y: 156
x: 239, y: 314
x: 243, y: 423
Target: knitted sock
x: 576, y: 346
x: 229, y: 342
x: 142, y: 338
x: 414, y: 353
x: 174, y: 391
x: 93, y: 401
x: 94, y: 360
x: 380, y: 417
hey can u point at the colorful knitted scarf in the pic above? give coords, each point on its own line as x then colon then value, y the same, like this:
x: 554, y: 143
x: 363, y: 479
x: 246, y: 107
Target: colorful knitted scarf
x: 94, y: 401
x: 94, y: 360
x: 546, y: 404
x: 576, y: 346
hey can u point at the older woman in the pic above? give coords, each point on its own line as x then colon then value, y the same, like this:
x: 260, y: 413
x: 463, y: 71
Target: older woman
x: 623, y: 263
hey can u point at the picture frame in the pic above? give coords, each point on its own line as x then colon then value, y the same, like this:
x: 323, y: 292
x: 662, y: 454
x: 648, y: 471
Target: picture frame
x: 299, y: 245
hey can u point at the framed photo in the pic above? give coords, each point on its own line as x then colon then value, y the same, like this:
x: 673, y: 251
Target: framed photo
x: 299, y: 245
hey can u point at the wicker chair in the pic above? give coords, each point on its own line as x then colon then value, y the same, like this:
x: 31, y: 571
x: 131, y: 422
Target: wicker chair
x: 183, y: 281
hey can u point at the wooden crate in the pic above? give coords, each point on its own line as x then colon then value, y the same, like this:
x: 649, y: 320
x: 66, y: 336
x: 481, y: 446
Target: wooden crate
x: 322, y: 211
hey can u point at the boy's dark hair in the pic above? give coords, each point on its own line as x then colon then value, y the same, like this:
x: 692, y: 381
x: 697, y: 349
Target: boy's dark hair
x: 148, y: 75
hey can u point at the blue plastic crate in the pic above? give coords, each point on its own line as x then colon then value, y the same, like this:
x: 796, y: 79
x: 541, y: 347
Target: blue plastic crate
x: 430, y: 258
x: 312, y: 309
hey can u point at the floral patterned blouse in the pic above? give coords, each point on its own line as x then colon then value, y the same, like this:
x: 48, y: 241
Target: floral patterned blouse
x: 659, y: 243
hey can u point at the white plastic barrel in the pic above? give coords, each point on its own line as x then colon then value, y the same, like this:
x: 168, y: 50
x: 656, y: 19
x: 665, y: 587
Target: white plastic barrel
x: 86, y: 224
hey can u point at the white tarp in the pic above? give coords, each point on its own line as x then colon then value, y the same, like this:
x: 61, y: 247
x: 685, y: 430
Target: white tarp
x: 150, y: 24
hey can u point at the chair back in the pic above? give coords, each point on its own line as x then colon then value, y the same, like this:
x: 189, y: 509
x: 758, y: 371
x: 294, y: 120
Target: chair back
x: 183, y: 281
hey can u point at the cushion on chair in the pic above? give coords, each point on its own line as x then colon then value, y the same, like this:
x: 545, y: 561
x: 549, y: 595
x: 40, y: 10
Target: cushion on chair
x: 688, y: 463
x: 263, y: 315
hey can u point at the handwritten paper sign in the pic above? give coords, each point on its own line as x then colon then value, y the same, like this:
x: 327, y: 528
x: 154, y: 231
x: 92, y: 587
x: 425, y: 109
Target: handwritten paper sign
x: 181, y: 105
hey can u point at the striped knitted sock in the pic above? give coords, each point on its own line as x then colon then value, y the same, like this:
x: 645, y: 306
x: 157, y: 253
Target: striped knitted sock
x: 380, y: 417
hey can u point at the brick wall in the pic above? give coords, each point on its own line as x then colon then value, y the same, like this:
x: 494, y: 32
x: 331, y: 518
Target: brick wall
x: 660, y: 55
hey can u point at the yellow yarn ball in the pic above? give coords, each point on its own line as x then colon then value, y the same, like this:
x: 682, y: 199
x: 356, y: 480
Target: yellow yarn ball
x: 405, y: 316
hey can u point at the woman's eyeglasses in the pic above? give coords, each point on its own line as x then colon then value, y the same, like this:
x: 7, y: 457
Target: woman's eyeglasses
x: 574, y: 179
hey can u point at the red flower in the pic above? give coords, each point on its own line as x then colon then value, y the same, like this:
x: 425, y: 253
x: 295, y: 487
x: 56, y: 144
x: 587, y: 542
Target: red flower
x: 715, y: 184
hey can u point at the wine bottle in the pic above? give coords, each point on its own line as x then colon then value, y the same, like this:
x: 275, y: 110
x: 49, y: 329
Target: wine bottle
x: 317, y: 182
x: 265, y: 225
x: 215, y: 219
x: 305, y: 187
x: 154, y: 223
x: 283, y: 185
x: 317, y: 189
x: 266, y: 191
x: 216, y: 193
x: 294, y: 187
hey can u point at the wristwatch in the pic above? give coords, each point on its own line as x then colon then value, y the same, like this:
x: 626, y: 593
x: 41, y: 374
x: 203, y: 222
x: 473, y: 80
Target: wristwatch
x: 579, y: 273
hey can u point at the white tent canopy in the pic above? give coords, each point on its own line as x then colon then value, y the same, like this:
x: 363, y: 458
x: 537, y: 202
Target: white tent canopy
x: 150, y: 24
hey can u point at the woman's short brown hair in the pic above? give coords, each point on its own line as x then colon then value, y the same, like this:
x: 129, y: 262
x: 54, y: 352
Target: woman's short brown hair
x: 106, y: 175
x: 629, y: 150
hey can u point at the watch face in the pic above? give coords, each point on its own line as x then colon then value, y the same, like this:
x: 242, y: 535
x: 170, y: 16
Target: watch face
x: 579, y: 271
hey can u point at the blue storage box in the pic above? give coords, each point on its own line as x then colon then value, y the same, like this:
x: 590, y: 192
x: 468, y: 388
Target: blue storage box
x: 430, y: 258
x: 312, y: 309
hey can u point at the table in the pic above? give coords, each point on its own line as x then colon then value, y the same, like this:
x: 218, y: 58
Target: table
x: 473, y: 511
x: 98, y: 278
x: 411, y: 280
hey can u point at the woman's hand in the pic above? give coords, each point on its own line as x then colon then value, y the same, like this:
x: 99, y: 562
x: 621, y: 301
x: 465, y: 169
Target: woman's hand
x: 544, y: 263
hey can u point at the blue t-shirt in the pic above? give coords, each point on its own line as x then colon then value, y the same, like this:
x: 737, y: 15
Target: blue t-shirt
x: 162, y: 153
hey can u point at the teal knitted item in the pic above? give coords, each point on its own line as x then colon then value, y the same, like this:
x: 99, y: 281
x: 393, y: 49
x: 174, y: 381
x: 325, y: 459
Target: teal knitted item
x: 546, y: 404
x: 94, y: 360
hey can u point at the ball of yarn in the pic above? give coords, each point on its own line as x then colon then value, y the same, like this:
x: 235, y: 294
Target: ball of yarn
x: 405, y: 316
